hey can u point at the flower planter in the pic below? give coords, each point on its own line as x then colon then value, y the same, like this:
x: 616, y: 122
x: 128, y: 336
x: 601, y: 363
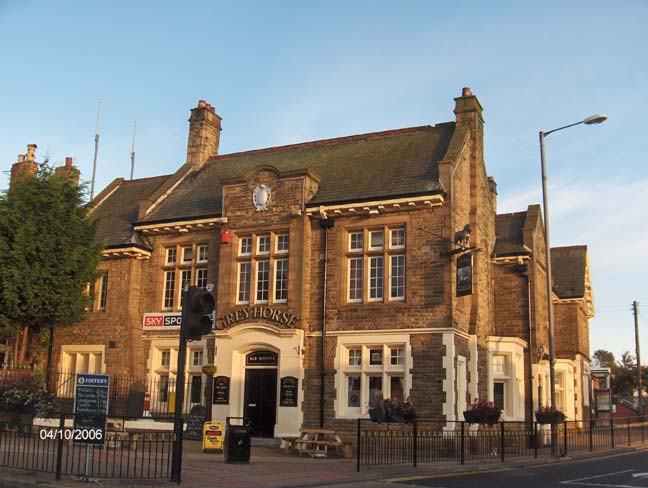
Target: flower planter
x: 471, y: 417
x: 377, y: 415
x: 550, y: 417
x: 481, y: 417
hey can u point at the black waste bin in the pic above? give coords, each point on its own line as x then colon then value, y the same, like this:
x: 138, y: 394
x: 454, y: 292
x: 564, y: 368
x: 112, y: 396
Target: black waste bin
x: 237, y: 442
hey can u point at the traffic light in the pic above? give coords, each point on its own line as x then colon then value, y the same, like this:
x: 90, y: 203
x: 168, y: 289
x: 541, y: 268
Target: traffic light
x: 198, y: 304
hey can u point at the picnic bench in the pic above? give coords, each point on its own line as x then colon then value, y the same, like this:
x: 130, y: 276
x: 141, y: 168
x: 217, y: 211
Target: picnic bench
x: 316, y: 442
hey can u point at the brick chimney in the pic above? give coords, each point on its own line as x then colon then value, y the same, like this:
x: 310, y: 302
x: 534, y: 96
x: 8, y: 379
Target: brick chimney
x: 70, y: 171
x: 26, y: 165
x: 204, y: 134
x: 469, y: 111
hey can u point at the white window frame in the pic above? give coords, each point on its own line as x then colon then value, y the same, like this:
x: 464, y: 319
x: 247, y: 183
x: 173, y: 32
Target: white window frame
x: 258, y: 279
x: 376, y: 283
x: 278, y: 282
x: 238, y: 282
x: 282, y: 237
x: 103, y: 291
x: 183, y: 282
x: 512, y: 349
x: 263, y: 238
x: 392, y: 297
x: 202, y: 249
x: 386, y: 370
x: 359, y: 234
x: 184, y: 250
x: 169, y: 251
x: 356, y: 281
x: 205, y: 277
x: 371, y: 247
x: 246, y: 242
x: 391, y: 238
x: 165, y: 291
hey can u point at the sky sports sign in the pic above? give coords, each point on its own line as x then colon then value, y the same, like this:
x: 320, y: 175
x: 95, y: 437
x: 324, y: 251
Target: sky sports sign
x: 162, y: 321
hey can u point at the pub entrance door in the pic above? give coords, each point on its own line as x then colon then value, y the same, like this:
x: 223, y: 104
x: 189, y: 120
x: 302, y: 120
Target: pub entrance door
x: 260, y: 396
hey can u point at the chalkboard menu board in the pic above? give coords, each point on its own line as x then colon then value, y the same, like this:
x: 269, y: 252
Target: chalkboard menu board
x: 288, y: 392
x: 221, y: 390
x: 197, y: 418
x: 90, y: 408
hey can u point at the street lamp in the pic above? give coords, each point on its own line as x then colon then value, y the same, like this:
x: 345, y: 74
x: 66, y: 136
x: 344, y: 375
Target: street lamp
x: 593, y: 119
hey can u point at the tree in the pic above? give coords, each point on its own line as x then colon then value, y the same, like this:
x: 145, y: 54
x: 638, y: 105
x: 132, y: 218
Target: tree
x: 48, y: 255
x: 603, y: 359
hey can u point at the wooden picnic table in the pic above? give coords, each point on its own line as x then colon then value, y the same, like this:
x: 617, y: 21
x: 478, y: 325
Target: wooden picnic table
x: 316, y: 442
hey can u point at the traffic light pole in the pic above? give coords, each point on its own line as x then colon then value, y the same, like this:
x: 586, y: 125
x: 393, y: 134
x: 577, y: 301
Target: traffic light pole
x: 176, y: 461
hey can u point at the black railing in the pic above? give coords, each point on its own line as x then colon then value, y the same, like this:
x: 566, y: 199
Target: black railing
x: 134, y: 397
x: 124, y: 454
x: 429, y: 441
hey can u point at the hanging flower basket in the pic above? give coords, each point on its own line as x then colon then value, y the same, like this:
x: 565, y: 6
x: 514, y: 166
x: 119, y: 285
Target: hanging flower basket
x: 209, y: 369
x: 482, y: 412
x: 547, y: 415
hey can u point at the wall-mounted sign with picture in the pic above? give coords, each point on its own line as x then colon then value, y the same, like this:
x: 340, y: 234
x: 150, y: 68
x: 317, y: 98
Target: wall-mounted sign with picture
x: 464, y: 275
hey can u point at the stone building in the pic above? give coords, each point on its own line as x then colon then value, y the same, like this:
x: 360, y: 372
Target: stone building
x: 337, y: 277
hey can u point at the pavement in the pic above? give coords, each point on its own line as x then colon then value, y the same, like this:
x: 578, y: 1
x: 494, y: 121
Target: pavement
x: 273, y: 468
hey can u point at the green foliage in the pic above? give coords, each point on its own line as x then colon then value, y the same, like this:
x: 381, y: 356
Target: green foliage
x: 48, y: 253
x: 603, y: 359
x: 26, y: 397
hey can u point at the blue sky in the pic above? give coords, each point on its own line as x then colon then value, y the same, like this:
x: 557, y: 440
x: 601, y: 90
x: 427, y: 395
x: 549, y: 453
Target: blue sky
x: 289, y: 71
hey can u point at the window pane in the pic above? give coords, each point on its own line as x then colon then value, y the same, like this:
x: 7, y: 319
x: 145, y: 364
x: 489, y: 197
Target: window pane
x: 163, y: 389
x: 201, y: 277
x: 244, y: 282
x: 375, y: 387
x: 498, y: 364
x: 377, y: 239
x: 375, y: 356
x: 376, y: 269
x: 397, y: 356
x: 187, y: 254
x: 263, y: 277
x: 397, y: 238
x: 185, y: 280
x: 197, y: 358
x: 203, y: 253
x: 196, y: 386
x: 171, y: 255
x: 264, y: 244
x: 356, y: 241
x: 281, y: 280
x: 353, y: 391
x: 498, y: 395
x: 355, y: 357
x: 397, y: 277
x: 282, y: 242
x: 165, y: 359
x: 169, y: 288
x: 355, y: 279
x: 246, y: 246
x: 396, y: 388
x: 104, y: 291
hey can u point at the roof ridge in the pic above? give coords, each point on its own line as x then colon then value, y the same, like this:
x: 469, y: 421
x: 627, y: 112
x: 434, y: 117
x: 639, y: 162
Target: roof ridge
x: 331, y: 141
x: 566, y: 248
x: 148, y: 178
x: 511, y: 214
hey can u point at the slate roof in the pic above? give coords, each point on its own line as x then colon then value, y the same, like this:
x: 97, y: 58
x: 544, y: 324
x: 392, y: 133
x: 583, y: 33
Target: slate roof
x: 569, y: 269
x: 509, y: 237
x: 117, y: 210
x: 357, y: 168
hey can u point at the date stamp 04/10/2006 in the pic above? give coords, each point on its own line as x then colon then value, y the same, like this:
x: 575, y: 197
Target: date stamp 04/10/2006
x: 71, y: 434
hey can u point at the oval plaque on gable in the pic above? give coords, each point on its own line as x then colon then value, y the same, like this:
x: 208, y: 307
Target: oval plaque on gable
x: 261, y: 358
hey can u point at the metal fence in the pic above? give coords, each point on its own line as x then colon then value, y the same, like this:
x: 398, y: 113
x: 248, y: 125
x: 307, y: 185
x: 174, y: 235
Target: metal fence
x: 124, y: 454
x: 429, y: 441
x: 134, y: 397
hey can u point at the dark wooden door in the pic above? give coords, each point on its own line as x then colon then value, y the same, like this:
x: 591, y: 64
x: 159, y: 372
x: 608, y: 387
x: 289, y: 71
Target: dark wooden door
x: 260, y: 400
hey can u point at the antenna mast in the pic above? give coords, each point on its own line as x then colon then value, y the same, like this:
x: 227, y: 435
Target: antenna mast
x: 133, y: 150
x: 94, y: 163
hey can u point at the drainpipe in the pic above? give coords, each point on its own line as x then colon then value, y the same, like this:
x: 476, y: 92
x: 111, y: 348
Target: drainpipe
x: 325, y: 224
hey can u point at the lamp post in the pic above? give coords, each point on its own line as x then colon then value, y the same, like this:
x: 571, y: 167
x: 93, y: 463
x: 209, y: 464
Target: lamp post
x: 594, y: 119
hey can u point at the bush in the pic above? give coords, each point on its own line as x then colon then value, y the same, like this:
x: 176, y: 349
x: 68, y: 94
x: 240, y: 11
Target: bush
x: 26, y: 397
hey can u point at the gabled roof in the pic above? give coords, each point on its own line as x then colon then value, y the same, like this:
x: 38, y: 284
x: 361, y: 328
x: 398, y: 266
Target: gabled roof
x: 116, y: 207
x: 386, y: 164
x: 509, y: 235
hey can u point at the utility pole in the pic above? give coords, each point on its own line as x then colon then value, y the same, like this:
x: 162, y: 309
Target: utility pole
x: 635, y: 311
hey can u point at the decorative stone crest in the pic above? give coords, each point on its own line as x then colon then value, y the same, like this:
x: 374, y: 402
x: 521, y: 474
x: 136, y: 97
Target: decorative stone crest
x: 261, y: 197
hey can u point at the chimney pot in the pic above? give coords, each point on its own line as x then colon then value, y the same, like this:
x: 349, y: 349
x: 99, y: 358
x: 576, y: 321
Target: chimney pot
x: 202, y: 104
x: 466, y: 92
x: 31, y: 152
x: 68, y: 162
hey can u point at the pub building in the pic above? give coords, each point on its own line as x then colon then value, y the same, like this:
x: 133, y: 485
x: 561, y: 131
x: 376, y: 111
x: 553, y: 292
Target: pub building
x: 342, y: 269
